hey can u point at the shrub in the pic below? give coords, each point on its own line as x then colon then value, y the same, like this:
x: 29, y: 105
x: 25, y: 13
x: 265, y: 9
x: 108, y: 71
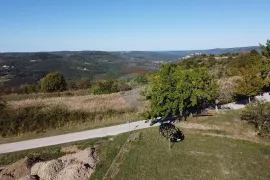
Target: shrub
x: 123, y: 86
x: 258, y: 114
x: 54, y: 82
x: 29, y: 88
x: 109, y: 86
x: 2, y: 105
x: 84, y: 83
x: 140, y: 79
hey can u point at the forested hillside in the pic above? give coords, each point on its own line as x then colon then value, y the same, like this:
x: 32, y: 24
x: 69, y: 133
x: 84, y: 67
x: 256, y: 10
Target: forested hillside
x: 17, y: 69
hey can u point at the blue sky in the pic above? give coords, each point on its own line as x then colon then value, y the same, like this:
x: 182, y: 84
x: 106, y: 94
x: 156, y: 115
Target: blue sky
x: 48, y: 25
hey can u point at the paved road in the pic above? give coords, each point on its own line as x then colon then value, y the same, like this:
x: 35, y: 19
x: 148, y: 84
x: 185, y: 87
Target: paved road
x: 65, y: 138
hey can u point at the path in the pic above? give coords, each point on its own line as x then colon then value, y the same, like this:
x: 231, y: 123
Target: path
x: 72, y: 137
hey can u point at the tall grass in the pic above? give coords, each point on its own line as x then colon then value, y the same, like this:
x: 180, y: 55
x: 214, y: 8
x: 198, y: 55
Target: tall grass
x: 40, y: 118
x: 17, y: 97
x: 88, y: 103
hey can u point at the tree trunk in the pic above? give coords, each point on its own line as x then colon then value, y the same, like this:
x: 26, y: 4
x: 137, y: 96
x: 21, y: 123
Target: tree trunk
x: 248, y: 99
x: 217, y: 108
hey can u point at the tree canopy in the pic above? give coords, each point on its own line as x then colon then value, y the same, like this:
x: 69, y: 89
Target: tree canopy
x: 179, y: 92
x: 54, y: 82
x: 266, y: 49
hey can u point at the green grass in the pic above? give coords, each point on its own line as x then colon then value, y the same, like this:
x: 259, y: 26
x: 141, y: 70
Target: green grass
x: 224, y: 117
x: 197, y: 157
x: 109, y: 150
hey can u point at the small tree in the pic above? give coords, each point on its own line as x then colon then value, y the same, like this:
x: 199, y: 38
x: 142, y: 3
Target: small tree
x: 258, y: 114
x: 105, y: 87
x: 266, y: 49
x: 54, y: 82
x: 250, y: 85
x: 29, y: 88
x: 227, y: 88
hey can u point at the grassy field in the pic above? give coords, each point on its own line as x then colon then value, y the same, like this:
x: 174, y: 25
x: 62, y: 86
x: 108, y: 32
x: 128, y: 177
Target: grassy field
x: 18, y: 97
x: 197, y: 157
x: 109, y: 150
x: 105, y: 110
x: 208, y: 152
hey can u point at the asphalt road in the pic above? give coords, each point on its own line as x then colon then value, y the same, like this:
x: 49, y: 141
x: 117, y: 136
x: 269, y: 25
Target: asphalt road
x: 71, y: 137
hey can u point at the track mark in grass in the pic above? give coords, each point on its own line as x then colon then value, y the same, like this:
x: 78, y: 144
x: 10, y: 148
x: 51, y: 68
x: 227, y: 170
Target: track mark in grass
x: 120, y: 157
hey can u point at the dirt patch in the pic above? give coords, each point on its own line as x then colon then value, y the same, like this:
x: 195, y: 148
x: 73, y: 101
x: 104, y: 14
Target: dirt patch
x: 99, y: 143
x: 70, y: 149
x: 47, y: 170
x: 76, y: 166
x: 18, y: 169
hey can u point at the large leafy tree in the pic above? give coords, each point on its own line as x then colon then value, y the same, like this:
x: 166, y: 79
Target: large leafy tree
x: 266, y: 64
x: 180, y: 92
x: 54, y: 82
x: 251, y: 83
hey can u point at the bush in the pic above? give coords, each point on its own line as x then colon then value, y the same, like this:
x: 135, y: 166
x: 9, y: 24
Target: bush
x: 258, y: 114
x: 123, y: 86
x: 84, y: 83
x: 140, y: 79
x: 109, y: 86
x: 29, y: 88
x: 54, y: 82
x: 2, y: 105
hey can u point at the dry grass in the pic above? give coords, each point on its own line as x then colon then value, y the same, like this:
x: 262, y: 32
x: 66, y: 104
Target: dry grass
x: 227, y: 124
x: 110, y: 109
x: 89, y: 103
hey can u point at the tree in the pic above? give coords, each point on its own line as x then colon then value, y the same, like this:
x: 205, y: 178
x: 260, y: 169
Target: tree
x: 227, y: 88
x: 180, y: 92
x: 266, y: 49
x: 258, y: 114
x: 251, y: 84
x: 266, y: 63
x: 54, y: 82
x: 253, y: 52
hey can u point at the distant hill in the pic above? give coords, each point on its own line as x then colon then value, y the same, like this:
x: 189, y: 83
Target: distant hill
x: 174, y: 55
x: 20, y: 68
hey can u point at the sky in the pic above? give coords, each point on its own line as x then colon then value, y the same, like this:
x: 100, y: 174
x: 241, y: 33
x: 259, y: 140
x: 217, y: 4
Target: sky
x: 125, y: 25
